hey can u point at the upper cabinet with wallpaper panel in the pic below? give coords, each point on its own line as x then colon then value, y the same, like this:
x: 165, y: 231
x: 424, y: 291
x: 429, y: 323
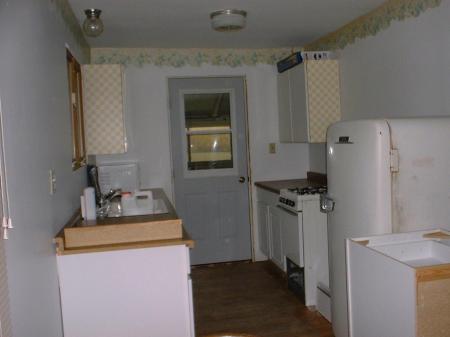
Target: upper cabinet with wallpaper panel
x: 103, y: 109
x: 308, y: 101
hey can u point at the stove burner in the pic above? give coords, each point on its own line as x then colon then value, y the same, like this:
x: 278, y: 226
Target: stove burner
x: 309, y: 190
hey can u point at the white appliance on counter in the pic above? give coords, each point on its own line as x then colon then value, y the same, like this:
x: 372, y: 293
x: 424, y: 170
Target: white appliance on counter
x: 304, y: 239
x: 386, y: 175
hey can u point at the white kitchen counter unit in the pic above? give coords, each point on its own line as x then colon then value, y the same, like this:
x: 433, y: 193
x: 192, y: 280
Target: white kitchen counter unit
x: 119, y: 279
x: 132, y: 292
x: 399, y: 285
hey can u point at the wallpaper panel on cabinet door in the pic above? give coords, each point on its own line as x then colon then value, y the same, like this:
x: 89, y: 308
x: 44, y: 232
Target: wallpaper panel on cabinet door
x: 103, y: 106
x: 323, y: 97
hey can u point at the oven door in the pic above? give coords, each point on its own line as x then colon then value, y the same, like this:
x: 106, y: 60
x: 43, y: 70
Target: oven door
x: 292, y: 236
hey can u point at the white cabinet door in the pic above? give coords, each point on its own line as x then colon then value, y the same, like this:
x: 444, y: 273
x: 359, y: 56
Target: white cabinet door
x: 134, y: 292
x: 284, y: 108
x: 263, y: 230
x: 299, y: 110
x: 323, y: 97
x: 308, y: 101
x: 276, y: 249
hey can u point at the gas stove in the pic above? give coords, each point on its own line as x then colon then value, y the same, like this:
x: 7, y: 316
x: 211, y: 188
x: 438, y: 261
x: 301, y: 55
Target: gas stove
x: 292, y: 198
x: 308, y: 190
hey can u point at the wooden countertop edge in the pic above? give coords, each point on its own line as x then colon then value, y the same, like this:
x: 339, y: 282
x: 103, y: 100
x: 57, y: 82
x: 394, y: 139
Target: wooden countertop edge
x: 312, y: 178
x: 261, y: 184
x: 185, y: 240
x: 433, y: 273
x: 88, y: 228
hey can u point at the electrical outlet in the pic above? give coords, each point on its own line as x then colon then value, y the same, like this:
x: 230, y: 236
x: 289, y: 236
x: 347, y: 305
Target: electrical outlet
x: 272, y: 148
x: 52, y: 181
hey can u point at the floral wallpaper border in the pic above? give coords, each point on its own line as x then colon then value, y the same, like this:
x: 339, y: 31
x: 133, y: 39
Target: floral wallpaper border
x: 67, y: 14
x: 372, y: 23
x: 188, y: 57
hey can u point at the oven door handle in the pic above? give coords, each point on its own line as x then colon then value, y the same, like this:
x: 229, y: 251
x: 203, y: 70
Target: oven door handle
x: 287, y: 210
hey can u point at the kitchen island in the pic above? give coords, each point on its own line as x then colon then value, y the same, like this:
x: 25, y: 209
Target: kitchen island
x: 117, y: 280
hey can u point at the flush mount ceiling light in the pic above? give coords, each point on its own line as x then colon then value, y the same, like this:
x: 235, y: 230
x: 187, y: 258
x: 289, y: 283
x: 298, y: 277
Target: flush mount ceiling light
x: 93, y: 25
x: 228, y: 20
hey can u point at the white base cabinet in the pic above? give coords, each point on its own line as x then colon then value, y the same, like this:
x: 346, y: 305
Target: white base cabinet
x: 276, y: 242
x: 135, y: 292
x: 266, y: 203
x: 302, y: 237
x: 263, y: 228
x: 399, y: 285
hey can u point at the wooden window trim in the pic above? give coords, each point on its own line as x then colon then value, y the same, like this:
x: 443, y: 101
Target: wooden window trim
x: 76, y: 110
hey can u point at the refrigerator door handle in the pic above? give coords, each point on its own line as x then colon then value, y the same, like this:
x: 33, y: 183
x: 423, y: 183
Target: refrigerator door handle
x: 326, y: 203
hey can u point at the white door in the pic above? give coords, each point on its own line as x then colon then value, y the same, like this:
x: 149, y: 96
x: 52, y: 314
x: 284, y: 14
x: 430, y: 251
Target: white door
x: 358, y: 170
x: 209, y: 154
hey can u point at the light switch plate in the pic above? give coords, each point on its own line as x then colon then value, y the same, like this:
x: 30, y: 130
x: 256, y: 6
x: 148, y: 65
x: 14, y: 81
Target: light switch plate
x: 272, y: 148
x: 52, y: 181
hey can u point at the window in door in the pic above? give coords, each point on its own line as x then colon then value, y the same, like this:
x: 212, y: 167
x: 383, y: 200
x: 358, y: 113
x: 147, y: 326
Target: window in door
x: 76, y: 110
x: 209, y: 131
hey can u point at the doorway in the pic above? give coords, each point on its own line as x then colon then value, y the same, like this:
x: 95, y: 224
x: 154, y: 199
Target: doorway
x: 210, y: 165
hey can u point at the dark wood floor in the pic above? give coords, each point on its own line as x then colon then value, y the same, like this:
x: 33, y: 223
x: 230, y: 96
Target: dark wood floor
x: 251, y: 298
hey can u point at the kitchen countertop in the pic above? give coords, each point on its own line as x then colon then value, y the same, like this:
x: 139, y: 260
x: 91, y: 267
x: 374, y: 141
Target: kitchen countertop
x: 313, y: 179
x: 170, y: 219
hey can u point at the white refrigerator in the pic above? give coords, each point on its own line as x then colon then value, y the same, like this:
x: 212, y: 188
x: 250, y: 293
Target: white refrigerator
x: 385, y: 175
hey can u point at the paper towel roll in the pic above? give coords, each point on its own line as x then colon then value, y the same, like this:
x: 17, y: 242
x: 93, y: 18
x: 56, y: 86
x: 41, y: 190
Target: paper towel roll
x: 83, y: 207
x: 89, y: 200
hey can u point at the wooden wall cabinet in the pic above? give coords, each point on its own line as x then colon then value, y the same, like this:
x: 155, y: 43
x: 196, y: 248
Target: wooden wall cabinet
x: 308, y: 101
x: 103, y: 109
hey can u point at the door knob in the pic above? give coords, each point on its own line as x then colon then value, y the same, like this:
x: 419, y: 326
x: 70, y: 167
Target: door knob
x: 242, y: 180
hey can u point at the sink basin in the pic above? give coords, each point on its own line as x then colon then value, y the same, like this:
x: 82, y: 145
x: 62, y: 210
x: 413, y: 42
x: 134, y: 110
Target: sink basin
x: 155, y: 223
x: 141, y: 203
x: 143, y: 207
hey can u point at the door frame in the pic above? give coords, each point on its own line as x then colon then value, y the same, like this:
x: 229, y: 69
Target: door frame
x: 247, y: 149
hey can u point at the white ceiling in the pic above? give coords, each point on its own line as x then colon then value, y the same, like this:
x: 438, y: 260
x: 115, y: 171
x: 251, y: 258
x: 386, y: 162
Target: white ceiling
x: 186, y: 24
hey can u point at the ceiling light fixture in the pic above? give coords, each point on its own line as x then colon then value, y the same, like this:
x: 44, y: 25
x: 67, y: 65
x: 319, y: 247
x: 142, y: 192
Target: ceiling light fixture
x: 228, y: 20
x: 93, y: 25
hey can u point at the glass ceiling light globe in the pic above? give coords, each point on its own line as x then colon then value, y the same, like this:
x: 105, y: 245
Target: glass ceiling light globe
x: 228, y: 20
x: 93, y: 25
